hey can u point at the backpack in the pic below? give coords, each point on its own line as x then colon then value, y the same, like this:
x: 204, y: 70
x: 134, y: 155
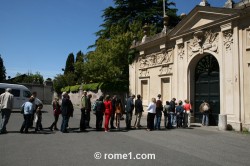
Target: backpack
x: 205, y: 107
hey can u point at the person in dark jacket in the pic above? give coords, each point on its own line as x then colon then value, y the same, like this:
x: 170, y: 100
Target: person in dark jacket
x: 179, y: 114
x: 67, y: 111
x: 100, y: 108
x: 172, y: 112
x: 138, y: 111
x: 129, y: 111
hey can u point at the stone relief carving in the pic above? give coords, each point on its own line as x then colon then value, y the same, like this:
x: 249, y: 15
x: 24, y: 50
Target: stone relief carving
x: 166, y: 69
x: 203, y: 41
x: 144, y: 73
x: 228, y: 40
x: 156, y: 59
x: 181, y: 51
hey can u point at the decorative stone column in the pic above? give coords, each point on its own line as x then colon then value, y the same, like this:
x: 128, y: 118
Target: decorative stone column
x: 222, y: 122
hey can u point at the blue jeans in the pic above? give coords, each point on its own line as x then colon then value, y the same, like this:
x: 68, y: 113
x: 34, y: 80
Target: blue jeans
x: 205, y: 119
x: 158, y: 122
x: 65, y: 121
x: 170, y: 119
x: 5, y: 119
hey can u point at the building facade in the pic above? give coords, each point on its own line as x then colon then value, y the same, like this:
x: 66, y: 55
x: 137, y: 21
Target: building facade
x: 205, y: 57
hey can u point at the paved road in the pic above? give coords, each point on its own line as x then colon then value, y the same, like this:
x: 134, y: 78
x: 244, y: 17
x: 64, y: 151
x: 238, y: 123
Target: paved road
x: 196, y: 146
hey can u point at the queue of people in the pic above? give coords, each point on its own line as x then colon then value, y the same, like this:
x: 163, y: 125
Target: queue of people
x: 105, y: 109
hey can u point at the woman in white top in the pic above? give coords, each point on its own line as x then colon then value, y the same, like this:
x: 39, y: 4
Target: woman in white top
x: 151, y: 114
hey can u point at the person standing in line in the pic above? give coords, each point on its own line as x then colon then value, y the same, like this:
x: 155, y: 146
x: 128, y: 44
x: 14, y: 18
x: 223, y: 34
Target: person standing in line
x: 138, y: 111
x: 166, y: 111
x: 112, y: 118
x: 100, y: 108
x: 6, y: 105
x: 27, y: 108
x: 36, y: 103
x: 56, y: 112
x: 204, y: 109
x: 187, y: 118
x: 179, y: 114
x: 118, y: 113
x: 172, y: 112
x: 108, y: 109
x: 88, y: 110
x: 38, y: 118
x: 129, y: 108
x: 67, y: 111
x: 83, y: 111
x: 151, y: 114
x: 159, y: 109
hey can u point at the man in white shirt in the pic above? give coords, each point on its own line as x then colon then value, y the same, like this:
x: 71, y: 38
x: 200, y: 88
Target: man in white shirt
x: 6, y: 104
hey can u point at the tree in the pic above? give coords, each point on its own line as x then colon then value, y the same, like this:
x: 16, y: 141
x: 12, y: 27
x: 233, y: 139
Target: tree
x: 2, y: 70
x: 69, y: 67
x: 79, y: 56
x: 127, y: 11
x: 122, y: 24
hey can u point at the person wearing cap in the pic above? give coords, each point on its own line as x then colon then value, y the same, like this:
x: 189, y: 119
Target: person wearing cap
x: 129, y: 108
x: 6, y: 105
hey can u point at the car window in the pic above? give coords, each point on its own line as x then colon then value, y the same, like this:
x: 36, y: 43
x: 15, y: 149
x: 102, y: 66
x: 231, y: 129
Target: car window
x: 26, y: 94
x: 16, y: 92
x: 2, y: 90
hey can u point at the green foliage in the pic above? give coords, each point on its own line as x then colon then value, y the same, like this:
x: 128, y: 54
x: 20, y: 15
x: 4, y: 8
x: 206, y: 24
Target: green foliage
x: 115, y: 86
x: 28, y: 78
x: 75, y: 88
x: 109, y: 62
x: 79, y: 56
x: 2, y: 70
x: 69, y: 67
x: 127, y: 11
x: 59, y: 82
x: 66, y: 89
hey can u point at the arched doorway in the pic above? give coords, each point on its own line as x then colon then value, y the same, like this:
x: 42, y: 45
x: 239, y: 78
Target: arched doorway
x: 207, y: 87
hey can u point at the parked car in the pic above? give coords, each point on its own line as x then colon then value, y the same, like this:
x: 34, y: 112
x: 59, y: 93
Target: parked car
x: 21, y: 93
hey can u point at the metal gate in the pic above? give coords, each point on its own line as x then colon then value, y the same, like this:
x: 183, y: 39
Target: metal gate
x: 207, y: 87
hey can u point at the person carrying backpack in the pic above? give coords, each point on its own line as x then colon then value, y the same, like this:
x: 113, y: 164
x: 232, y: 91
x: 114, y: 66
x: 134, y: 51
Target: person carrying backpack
x: 204, y: 109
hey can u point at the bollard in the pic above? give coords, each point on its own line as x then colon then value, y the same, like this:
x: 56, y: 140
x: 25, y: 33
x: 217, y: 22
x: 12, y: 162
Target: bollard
x: 222, y: 122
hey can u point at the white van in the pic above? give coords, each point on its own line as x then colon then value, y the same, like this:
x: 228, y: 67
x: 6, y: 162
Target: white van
x: 21, y: 93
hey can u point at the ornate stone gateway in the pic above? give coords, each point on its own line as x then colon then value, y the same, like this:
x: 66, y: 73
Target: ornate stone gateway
x: 207, y: 87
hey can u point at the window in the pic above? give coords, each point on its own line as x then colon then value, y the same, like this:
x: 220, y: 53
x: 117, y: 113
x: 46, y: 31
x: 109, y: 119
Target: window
x: 26, y: 94
x: 165, y: 89
x: 144, y: 89
x: 2, y: 90
x: 16, y: 92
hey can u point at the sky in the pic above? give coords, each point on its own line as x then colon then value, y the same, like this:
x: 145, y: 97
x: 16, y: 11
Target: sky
x: 36, y: 36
